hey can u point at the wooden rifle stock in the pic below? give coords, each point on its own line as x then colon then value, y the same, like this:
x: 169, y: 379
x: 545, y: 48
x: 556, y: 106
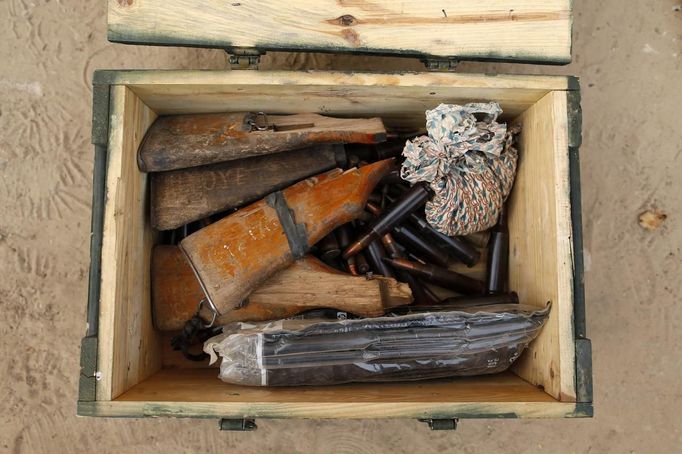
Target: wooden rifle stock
x: 181, y: 141
x: 236, y: 254
x: 307, y: 284
x: 181, y: 196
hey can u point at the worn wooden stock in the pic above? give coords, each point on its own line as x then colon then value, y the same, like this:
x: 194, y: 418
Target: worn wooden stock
x: 306, y: 284
x: 181, y: 141
x: 181, y: 196
x: 236, y: 254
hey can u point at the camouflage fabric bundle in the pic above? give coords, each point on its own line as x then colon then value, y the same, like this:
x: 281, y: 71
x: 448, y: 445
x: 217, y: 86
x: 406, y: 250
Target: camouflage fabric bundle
x: 468, y: 160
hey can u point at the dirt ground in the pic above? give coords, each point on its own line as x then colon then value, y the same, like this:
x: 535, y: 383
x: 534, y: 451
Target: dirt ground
x: 628, y: 55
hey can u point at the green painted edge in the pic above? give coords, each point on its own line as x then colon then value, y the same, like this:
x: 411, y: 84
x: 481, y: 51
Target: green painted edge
x: 160, y: 410
x: 583, y: 410
x: 149, y: 38
x: 87, y: 389
x: 583, y: 358
x: 100, y: 114
x: 575, y: 116
x: 583, y: 346
x: 87, y: 383
x: 96, y: 230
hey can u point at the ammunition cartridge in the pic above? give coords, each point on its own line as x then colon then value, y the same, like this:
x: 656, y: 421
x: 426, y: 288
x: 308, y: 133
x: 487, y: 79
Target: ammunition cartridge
x: 462, y: 250
x: 328, y: 248
x: 361, y: 263
x: 344, y: 235
x: 375, y: 256
x: 468, y: 301
x: 440, y: 276
x: 375, y: 198
x: 415, y: 243
x: 461, y: 302
x: 418, y: 290
x: 376, y: 152
x: 393, y: 178
x: 415, y: 197
x: 351, y: 267
x: 498, y: 256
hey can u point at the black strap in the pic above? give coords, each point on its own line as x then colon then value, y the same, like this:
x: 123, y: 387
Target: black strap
x: 297, y: 236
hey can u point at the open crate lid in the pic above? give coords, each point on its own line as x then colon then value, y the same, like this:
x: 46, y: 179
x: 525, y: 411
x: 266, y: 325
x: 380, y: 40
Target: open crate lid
x: 533, y: 31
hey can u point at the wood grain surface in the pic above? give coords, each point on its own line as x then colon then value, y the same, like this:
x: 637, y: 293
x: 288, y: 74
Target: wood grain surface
x: 236, y: 254
x: 181, y: 196
x: 540, y: 244
x: 182, y: 141
x: 306, y: 284
x: 128, y: 345
x: 482, y: 29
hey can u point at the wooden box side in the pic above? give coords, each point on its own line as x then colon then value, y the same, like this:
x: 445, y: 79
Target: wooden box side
x: 199, y: 393
x: 541, y: 251
x: 128, y: 347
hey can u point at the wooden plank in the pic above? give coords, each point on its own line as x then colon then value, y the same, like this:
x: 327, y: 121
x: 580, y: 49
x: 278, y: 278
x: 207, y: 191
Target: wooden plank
x: 541, y: 261
x: 285, y: 81
x: 182, y: 384
x: 523, y: 30
x: 400, y: 99
x: 341, y: 410
x: 128, y: 346
x: 174, y: 393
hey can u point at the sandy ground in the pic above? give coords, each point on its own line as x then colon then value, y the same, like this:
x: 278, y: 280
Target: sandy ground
x: 628, y: 57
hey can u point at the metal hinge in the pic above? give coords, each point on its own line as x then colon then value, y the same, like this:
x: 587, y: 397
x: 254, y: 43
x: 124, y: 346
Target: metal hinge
x: 244, y: 58
x: 440, y: 64
x: 242, y: 425
x: 441, y: 424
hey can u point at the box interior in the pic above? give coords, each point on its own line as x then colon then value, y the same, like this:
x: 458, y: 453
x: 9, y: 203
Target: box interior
x: 135, y: 360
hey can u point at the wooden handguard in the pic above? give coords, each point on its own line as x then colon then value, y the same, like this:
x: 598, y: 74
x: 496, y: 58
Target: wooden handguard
x: 306, y: 284
x: 236, y: 254
x: 181, y: 141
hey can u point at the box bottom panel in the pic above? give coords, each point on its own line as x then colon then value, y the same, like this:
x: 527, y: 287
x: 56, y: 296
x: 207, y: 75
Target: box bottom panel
x: 198, y: 393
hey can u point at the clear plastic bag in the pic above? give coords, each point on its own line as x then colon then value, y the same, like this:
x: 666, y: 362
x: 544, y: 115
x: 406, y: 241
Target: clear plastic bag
x: 391, y: 348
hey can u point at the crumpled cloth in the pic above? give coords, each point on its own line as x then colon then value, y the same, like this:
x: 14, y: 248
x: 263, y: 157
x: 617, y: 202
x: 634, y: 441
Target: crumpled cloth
x: 469, y: 162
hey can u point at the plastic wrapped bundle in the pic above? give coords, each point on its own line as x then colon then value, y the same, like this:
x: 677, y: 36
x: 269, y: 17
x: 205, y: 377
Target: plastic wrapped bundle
x: 390, y: 348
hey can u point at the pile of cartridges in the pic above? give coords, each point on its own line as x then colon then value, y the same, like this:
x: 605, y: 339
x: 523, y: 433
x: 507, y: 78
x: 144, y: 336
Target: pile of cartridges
x: 265, y: 217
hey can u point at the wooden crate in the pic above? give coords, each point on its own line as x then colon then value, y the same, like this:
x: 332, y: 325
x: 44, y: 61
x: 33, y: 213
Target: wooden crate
x: 127, y: 367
